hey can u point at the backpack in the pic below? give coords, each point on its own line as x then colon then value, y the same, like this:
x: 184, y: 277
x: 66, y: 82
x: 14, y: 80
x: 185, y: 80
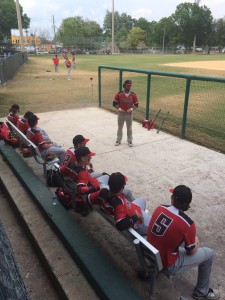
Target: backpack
x: 53, y: 177
x: 6, y: 135
x: 4, y: 131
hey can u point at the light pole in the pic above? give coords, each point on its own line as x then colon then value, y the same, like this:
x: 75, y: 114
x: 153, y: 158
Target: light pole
x: 19, y: 25
x: 112, y: 26
x: 164, y: 33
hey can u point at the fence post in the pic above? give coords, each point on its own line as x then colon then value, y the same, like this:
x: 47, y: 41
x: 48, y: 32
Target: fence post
x: 148, y: 96
x: 184, y: 121
x: 121, y: 80
x: 99, y: 88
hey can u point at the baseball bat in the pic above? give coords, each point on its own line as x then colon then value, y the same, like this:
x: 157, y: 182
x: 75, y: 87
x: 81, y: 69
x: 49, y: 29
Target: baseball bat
x: 160, y: 127
x: 154, y: 120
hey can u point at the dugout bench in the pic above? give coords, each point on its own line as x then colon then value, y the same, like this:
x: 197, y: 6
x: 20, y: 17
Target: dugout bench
x: 34, y: 151
x: 148, y: 256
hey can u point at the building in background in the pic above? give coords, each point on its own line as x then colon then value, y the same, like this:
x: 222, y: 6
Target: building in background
x: 31, y: 43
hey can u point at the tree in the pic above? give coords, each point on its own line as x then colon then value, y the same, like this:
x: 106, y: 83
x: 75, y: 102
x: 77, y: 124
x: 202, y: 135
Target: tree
x: 8, y: 18
x: 194, y: 23
x: 122, y: 25
x: 218, y: 35
x: 147, y: 26
x: 136, y: 37
x: 77, y: 32
x: 165, y: 33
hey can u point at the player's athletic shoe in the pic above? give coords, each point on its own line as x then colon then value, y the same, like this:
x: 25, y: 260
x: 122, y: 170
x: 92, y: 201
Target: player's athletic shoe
x: 117, y: 143
x: 211, y: 295
x: 130, y: 144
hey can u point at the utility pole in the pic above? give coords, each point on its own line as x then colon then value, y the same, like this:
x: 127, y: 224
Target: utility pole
x: 113, y: 27
x: 164, y: 33
x: 53, y: 21
x: 20, y: 25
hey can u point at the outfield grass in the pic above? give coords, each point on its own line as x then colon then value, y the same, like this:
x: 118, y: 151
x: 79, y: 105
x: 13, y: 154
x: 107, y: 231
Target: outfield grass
x: 38, y: 88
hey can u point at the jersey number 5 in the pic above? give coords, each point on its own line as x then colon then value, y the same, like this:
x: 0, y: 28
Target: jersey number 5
x: 161, y: 224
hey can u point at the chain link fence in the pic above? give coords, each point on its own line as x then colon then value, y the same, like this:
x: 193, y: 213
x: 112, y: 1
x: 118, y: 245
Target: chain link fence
x: 10, y: 64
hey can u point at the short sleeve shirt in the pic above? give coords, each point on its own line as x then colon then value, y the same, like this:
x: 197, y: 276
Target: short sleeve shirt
x: 168, y: 229
x: 125, y: 101
x: 36, y: 137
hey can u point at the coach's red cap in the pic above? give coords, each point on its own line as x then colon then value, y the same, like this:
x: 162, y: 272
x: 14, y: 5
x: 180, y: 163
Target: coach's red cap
x: 79, y: 139
x: 83, y: 151
x: 127, y: 82
x: 116, y: 182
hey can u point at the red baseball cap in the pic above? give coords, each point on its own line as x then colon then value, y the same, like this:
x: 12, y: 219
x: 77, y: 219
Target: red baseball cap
x: 79, y: 139
x: 128, y: 83
x: 83, y: 151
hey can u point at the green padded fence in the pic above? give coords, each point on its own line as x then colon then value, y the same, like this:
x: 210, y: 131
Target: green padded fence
x: 196, y: 104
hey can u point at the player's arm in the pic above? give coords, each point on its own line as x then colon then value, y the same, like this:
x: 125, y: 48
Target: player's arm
x: 116, y: 101
x: 195, y: 249
x: 123, y: 221
x: 82, y: 184
x: 191, y: 241
x: 135, y: 101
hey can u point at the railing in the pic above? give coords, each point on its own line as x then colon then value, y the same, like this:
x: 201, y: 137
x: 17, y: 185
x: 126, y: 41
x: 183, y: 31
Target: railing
x: 196, y: 104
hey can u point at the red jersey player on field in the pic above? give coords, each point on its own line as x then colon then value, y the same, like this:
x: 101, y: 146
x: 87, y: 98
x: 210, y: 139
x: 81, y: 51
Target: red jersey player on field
x: 68, y: 68
x: 125, y: 101
x: 168, y: 229
x: 55, y: 61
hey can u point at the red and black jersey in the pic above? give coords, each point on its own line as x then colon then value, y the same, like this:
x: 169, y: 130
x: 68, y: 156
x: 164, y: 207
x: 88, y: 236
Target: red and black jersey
x: 123, y: 211
x: 68, y: 64
x: 125, y: 101
x: 69, y: 159
x: 13, y: 118
x: 23, y: 125
x: 122, y: 208
x: 36, y: 137
x: 168, y: 229
x: 85, y: 182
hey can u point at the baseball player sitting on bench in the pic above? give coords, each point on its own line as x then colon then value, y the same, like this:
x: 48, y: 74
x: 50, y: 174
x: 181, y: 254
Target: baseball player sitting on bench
x: 70, y: 160
x: 46, y: 148
x: 126, y: 214
x: 168, y: 229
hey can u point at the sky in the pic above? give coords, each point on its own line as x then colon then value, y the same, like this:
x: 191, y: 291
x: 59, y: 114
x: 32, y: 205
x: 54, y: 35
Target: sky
x: 42, y: 12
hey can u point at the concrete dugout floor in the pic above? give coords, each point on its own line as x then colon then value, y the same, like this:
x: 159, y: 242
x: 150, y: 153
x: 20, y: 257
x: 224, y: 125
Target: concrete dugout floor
x: 156, y: 163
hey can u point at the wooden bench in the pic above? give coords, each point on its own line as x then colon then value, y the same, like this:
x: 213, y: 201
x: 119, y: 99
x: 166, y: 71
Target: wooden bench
x: 148, y: 256
x: 32, y: 147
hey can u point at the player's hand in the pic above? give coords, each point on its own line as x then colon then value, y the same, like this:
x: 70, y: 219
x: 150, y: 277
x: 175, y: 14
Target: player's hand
x: 130, y: 110
x: 140, y: 217
x: 197, y: 243
x: 121, y: 110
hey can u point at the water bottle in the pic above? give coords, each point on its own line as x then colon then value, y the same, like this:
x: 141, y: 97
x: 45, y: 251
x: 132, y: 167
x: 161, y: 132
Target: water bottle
x: 54, y: 199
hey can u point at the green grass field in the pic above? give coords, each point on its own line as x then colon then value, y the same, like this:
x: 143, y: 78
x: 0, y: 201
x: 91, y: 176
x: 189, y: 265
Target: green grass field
x: 38, y: 88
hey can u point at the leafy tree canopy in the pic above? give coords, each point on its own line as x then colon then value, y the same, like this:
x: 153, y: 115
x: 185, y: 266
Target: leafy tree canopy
x: 8, y: 18
x: 193, y: 20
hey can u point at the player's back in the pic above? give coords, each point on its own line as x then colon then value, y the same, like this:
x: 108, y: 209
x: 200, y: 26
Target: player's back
x: 168, y: 228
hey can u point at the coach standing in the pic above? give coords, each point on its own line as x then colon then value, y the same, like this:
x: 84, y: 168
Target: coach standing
x: 125, y: 101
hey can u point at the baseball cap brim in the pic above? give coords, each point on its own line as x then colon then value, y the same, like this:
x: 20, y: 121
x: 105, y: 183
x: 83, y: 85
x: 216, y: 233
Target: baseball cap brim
x: 85, y: 141
x: 90, y: 154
